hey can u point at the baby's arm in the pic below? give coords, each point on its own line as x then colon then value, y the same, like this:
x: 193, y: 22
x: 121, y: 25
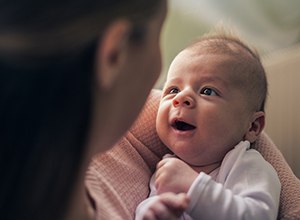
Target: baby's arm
x: 165, y: 206
x: 216, y: 202
x: 249, y: 190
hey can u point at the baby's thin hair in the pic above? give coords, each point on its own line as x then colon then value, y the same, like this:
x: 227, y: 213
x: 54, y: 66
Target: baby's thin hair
x: 222, y: 34
x: 227, y: 41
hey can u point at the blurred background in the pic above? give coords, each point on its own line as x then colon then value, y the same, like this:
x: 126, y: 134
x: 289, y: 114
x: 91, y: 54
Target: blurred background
x: 273, y: 28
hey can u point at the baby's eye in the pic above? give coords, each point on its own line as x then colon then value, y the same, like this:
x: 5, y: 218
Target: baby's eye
x: 209, y: 92
x: 173, y: 90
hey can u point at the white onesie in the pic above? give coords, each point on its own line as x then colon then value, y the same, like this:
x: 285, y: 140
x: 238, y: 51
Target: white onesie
x: 244, y: 187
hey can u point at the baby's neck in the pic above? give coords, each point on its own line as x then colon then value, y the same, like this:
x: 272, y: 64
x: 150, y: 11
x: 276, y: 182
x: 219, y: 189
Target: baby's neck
x: 206, y: 168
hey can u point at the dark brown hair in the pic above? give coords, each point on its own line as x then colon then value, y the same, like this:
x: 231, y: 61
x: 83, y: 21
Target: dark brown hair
x: 47, y: 51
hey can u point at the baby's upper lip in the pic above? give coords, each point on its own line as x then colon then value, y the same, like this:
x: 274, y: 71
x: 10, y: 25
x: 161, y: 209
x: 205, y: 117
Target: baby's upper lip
x: 182, y: 125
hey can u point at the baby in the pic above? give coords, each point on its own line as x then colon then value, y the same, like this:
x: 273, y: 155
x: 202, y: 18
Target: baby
x: 211, y: 111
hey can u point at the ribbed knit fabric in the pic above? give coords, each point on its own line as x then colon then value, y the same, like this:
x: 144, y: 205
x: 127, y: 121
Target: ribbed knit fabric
x: 117, y: 180
x: 289, y: 207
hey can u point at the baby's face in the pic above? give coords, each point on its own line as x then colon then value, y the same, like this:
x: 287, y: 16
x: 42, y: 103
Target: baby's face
x: 203, y: 112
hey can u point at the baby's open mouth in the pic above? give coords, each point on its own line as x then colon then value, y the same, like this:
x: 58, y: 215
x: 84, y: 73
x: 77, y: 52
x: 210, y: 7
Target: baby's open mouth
x: 182, y: 126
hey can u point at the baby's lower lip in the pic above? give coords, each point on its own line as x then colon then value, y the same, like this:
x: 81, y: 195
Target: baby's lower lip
x: 183, y: 132
x: 182, y: 126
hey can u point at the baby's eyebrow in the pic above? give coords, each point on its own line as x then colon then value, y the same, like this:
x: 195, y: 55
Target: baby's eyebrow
x: 174, y: 80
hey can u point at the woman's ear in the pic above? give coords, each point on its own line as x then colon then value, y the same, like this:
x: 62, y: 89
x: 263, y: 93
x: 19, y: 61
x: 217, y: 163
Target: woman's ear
x: 256, y: 126
x: 111, y: 53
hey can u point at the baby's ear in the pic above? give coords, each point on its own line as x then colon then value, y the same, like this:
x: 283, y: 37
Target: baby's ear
x: 256, y: 126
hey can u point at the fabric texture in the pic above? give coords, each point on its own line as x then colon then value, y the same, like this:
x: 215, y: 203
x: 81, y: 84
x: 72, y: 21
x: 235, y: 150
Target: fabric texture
x: 117, y: 181
x: 245, y: 186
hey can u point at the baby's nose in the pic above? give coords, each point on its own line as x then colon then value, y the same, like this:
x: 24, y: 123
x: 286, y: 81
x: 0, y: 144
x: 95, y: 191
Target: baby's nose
x: 183, y: 101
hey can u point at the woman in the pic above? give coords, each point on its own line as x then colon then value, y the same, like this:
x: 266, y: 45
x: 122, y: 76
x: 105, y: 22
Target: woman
x: 74, y: 75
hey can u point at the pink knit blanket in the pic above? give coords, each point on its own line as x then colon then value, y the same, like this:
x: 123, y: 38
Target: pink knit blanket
x: 118, y: 179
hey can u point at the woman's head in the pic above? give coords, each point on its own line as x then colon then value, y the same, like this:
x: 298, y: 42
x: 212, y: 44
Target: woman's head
x: 65, y: 66
x: 127, y: 73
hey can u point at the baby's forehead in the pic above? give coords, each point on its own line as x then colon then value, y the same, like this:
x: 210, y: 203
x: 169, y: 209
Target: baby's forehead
x: 237, y: 54
x: 217, y: 59
x: 212, y: 67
